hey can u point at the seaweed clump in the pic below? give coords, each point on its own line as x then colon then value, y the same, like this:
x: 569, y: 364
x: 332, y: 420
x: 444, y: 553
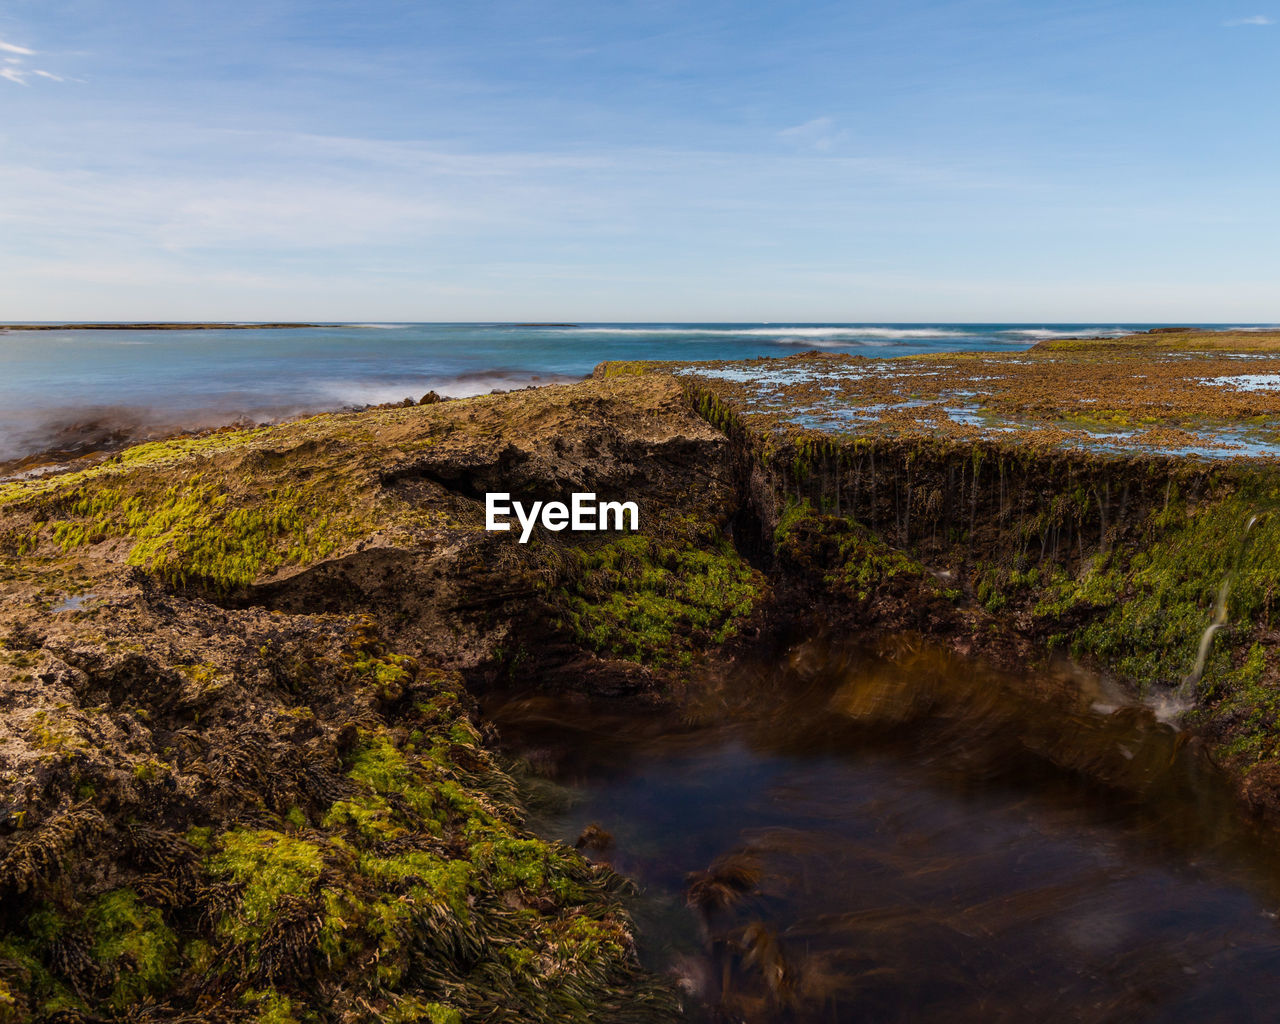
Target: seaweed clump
x: 332, y: 842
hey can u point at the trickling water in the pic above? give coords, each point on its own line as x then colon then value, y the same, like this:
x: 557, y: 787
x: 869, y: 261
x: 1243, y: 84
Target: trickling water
x: 1187, y: 690
x: 1219, y: 620
x: 901, y: 835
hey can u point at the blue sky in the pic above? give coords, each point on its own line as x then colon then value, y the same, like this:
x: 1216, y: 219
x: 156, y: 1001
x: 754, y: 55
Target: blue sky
x: 627, y: 160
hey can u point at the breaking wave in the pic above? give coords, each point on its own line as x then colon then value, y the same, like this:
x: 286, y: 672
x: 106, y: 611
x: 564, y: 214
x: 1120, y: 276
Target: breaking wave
x: 811, y: 342
x: 782, y: 332
x: 482, y: 382
x: 1046, y: 333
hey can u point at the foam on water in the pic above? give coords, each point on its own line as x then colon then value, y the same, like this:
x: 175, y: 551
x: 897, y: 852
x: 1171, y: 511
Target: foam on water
x: 785, y: 331
x: 1048, y: 333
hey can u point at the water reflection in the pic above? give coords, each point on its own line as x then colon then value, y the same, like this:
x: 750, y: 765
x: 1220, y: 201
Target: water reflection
x: 899, y: 835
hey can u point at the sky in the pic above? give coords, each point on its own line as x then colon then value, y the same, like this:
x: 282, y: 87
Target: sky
x: 392, y: 160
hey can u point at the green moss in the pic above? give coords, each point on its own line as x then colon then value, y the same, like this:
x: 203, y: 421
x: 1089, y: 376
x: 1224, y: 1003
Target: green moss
x: 196, y: 530
x: 184, y: 447
x: 134, y: 949
x: 426, y: 875
x: 389, y: 673
x: 52, y: 733
x: 195, y: 535
x: 854, y: 561
x: 865, y: 562
x: 370, y: 817
x: 30, y: 985
x: 794, y: 513
x: 150, y: 770
x: 580, y: 938
x: 416, y: 1011
x: 200, y: 956
x: 341, y: 934
x: 200, y: 673
x: 418, y: 886
x: 270, y: 1007
x: 530, y: 865
x: 1248, y: 697
x: 1147, y: 605
x: 625, y: 368
x: 384, y: 768
x: 716, y: 411
x: 269, y: 865
x: 652, y: 602
x: 133, y: 944
x: 200, y: 837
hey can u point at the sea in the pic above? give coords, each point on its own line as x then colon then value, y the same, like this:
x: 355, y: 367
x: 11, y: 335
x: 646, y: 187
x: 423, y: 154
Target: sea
x: 68, y: 392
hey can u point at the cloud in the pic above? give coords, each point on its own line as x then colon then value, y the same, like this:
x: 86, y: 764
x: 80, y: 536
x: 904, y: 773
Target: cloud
x: 1254, y: 19
x: 14, y: 69
x: 819, y: 134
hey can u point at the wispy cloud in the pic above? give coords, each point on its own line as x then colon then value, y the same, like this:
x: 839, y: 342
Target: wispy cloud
x: 820, y: 134
x: 1253, y: 19
x: 15, y: 69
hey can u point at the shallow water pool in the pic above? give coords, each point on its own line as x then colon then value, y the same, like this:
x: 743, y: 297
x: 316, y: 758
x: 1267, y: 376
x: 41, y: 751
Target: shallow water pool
x: 897, y: 834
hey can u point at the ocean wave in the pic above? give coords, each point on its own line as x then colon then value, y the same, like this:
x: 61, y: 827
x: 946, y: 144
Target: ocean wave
x: 811, y: 342
x: 859, y: 332
x: 481, y: 382
x: 783, y: 331
x: 1045, y: 333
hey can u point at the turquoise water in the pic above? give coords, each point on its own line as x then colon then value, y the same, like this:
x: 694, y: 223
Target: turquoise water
x: 77, y: 390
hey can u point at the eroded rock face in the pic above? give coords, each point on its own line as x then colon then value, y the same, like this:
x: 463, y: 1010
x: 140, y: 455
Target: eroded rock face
x: 239, y: 769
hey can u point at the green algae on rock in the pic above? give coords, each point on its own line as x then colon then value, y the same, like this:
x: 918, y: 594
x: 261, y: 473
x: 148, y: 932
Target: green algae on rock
x: 1017, y: 487
x: 657, y: 600
x: 322, y: 835
x: 249, y: 743
x: 1201, y: 392
x: 223, y: 798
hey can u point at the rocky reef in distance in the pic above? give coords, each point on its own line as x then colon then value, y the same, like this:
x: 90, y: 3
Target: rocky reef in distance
x: 154, y: 325
x: 243, y: 774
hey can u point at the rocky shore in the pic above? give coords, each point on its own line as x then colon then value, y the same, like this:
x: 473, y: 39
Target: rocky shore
x: 242, y: 775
